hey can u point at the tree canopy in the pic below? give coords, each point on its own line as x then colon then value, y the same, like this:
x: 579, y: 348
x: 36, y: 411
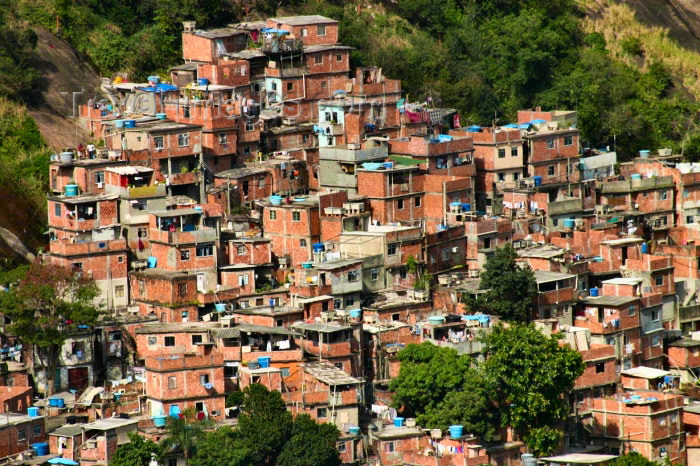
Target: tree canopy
x: 137, y: 452
x: 527, y: 373
x: 511, y: 289
x: 520, y: 384
x: 267, y: 434
x: 46, y: 303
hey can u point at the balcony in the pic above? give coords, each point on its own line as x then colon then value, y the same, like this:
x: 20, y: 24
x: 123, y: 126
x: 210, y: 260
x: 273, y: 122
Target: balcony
x: 690, y: 313
x: 467, y: 347
x: 342, y: 348
x: 596, y: 327
x: 277, y: 45
x: 185, y: 178
x: 204, y: 235
x: 286, y: 72
x: 332, y: 129
x: 565, y: 206
x: 66, y: 248
x: 649, y: 326
x: 137, y: 192
x: 644, y: 184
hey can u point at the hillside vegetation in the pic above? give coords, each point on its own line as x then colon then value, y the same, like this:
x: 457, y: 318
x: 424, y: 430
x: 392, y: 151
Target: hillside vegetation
x: 633, y: 86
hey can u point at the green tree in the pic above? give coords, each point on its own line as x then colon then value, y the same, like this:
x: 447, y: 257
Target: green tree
x: 511, y: 289
x: 440, y: 387
x: 221, y: 446
x: 137, y: 452
x: 310, y: 443
x: 264, y: 424
x: 633, y: 459
x: 48, y: 304
x: 527, y: 374
x: 183, y: 432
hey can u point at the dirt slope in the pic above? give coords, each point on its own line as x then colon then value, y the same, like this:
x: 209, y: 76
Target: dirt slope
x: 67, y: 80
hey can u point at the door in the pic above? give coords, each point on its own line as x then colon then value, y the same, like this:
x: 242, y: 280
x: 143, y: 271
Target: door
x: 200, y: 283
x: 78, y: 378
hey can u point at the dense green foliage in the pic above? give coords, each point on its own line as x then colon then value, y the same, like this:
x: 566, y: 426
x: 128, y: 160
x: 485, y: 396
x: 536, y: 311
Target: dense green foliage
x: 267, y: 434
x: 633, y: 459
x: 511, y: 289
x: 520, y: 384
x: 135, y: 453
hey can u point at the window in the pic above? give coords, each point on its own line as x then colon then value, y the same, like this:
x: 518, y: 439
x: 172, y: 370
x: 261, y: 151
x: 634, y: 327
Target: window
x: 196, y: 339
x: 513, y: 151
x: 77, y: 347
x: 159, y: 143
x: 243, y: 279
x: 304, y: 138
x: 516, y: 176
x: 99, y: 177
x: 318, y: 59
x: 391, y: 249
x: 441, y: 162
x: 403, y: 273
x: 302, y: 243
x: 338, y: 365
x: 339, y: 57
x: 341, y: 447
x: 686, y: 193
x: 501, y: 177
x: 152, y: 341
x: 172, y: 382
x: 659, y: 280
x: 445, y: 254
x: 304, y: 32
x: 290, y: 86
x: 183, y: 140
x: 690, y: 219
x: 119, y: 291
x: 600, y: 368
x: 349, y: 301
x: 273, y: 214
x: 223, y: 138
x: 501, y: 153
x: 186, y: 111
x: 655, y: 316
x: 203, y: 379
x: 353, y: 276
x: 37, y: 430
x: 77, y: 266
x: 184, y: 254
x: 550, y: 170
x: 181, y: 289
x: 631, y: 311
x: 662, y: 420
x: 321, y: 30
x: 296, y: 216
x: 389, y: 447
x: 205, y: 250
x: 655, y: 340
x: 568, y: 140
x: 663, y: 195
x: 57, y: 209
x: 416, y: 201
x: 337, y: 303
x: 550, y: 143
x: 321, y: 412
x: 285, y: 372
x: 324, y: 84
x: 374, y: 274
x: 249, y: 126
x: 399, y: 204
x: 169, y: 341
x: 22, y: 435
x: 241, y: 250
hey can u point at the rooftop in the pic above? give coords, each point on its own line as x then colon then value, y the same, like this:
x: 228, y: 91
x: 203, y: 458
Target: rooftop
x: 543, y: 276
x: 329, y: 327
x: 645, y: 372
x: 685, y: 343
x: 110, y: 423
x: 623, y: 281
x: 329, y: 374
x: 68, y: 430
x: 82, y: 198
x: 13, y: 419
x: 610, y: 300
x: 219, y: 32
x: 176, y: 212
x: 580, y: 458
x: 336, y: 264
x: 543, y: 251
x: 176, y: 327
x: 303, y: 20
x: 235, y: 332
x: 392, y: 432
x: 130, y: 170
x: 623, y: 241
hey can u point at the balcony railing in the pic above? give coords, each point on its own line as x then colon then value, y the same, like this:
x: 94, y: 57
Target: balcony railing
x: 690, y: 313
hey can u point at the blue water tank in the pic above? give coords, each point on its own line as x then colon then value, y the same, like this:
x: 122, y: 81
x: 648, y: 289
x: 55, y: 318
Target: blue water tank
x: 354, y: 430
x: 33, y: 411
x: 538, y: 180
x: 220, y: 307
x: 71, y: 190
x: 275, y: 200
x: 118, y: 123
x: 202, y: 81
x: 129, y: 123
x: 41, y: 449
x: 161, y: 116
x: 153, y: 79
x: 398, y: 421
x: 319, y: 247
x: 645, y: 248
x: 594, y: 292
x: 636, y: 176
x: 355, y: 313
x: 152, y: 261
x: 174, y: 411
x: 456, y: 431
x: 466, y: 207
x: 569, y: 223
x: 264, y: 361
x: 159, y: 421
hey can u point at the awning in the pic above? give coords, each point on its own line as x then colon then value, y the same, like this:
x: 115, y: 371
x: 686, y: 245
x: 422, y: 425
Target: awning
x: 401, y: 160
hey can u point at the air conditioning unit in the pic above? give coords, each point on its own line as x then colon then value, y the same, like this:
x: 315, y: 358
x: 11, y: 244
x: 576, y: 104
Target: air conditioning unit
x: 455, y: 250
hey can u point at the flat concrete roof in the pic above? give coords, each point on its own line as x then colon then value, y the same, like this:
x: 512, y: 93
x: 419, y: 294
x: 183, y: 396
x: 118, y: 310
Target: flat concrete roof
x: 110, y: 423
x: 645, y: 372
x: 543, y: 276
x: 610, y: 300
x: 303, y: 20
x: 329, y: 374
x: 580, y: 458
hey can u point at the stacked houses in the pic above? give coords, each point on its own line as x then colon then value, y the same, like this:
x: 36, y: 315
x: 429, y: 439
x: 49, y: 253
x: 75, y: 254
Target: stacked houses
x: 269, y: 215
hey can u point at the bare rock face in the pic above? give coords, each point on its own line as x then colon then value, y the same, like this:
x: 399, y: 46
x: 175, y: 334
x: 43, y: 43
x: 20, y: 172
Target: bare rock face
x: 680, y: 17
